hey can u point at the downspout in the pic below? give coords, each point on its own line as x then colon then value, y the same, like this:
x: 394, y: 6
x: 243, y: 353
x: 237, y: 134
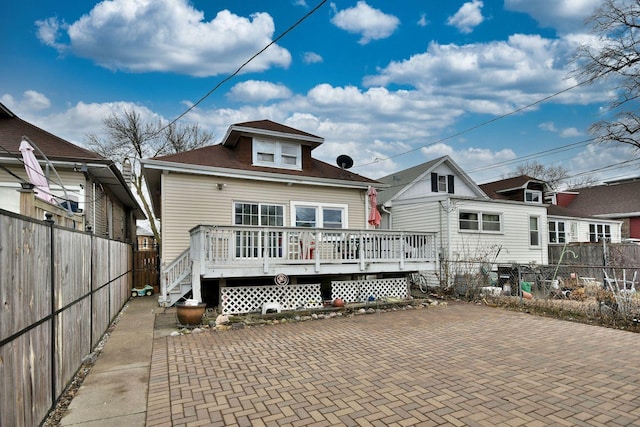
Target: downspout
x: 384, y: 209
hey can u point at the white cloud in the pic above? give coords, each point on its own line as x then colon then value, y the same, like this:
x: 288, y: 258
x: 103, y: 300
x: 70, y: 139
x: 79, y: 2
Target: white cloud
x: 370, y: 23
x: 167, y: 36
x: 570, y: 132
x: 30, y: 101
x: 311, y: 58
x: 563, y: 15
x: 258, y: 91
x: 423, y: 21
x: 467, y: 17
x: 548, y: 126
x: 495, y: 77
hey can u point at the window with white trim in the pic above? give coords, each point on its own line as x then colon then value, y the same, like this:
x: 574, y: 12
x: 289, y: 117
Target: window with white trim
x: 557, y: 233
x: 597, y: 232
x: 319, y: 215
x: 258, y: 214
x: 252, y: 243
x: 486, y: 222
x: 442, y: 183
x: 534, y: 231
x: 533, y: 196
x: 277, y: 154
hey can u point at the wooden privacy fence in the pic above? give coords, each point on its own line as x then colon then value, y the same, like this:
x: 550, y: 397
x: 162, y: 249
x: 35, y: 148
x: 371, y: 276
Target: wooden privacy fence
x: 591, y: 258
x: 60, y: 289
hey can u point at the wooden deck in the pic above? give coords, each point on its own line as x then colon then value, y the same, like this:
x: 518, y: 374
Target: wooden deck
x: 225, y: 251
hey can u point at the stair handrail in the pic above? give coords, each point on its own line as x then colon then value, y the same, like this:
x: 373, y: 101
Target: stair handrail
x: 174, y: 274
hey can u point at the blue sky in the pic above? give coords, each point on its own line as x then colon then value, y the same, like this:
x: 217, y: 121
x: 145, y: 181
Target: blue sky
x: 392, y: 84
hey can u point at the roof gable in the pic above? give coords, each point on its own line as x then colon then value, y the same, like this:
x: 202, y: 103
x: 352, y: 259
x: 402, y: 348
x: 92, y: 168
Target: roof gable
x: 399, y: 182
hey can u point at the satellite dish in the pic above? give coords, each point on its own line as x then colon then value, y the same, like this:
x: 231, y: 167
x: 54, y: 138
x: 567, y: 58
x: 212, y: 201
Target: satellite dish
x: 344, y: 161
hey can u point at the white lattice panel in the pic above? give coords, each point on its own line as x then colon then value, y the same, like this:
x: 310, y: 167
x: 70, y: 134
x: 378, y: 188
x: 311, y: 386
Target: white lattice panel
x: 361, y: 290
x: 248, y: 299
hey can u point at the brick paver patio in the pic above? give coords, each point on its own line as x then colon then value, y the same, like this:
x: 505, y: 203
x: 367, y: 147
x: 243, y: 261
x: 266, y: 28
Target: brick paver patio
x: 459, y: 365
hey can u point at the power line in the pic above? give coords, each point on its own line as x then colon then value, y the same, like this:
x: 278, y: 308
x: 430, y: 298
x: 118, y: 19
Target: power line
x: 232, y: 75
x: 472, y: 128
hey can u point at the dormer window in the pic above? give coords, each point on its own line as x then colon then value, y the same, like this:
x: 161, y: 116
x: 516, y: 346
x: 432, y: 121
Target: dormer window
x: 533, y: 196
x: 277, y: 154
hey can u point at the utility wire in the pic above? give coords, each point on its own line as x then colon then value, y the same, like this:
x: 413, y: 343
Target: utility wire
x: 229, y: 77
x: 479, y: 125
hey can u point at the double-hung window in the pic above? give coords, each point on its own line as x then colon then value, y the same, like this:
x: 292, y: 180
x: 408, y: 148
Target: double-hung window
x: 486, y: 222
x: 597, y: 232
x: 250, y: 243
x: 277, y: 154
x: 557, y: 233
x: 442, y: 183
x: 534, y: 231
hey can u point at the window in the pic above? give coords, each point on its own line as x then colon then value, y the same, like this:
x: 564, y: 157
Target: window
x: 533, y: 196
x: 250, y: 243
x: 557, y: 232
x: 534, y: 231
x: 259, y: 214
x: 277, y: 154
x: 597, y: 232
x: 441, y: 183
x: 322, y: 216
x: 480, y: 221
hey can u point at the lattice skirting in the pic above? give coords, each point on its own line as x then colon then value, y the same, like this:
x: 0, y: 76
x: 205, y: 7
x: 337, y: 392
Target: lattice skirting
x: 248, y: 299
x: 361, y: 290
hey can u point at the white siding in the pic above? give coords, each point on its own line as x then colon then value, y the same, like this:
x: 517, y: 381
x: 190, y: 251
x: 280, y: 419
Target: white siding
x: 191, y: 200
x: 513, y: 240
x: 422, y: 187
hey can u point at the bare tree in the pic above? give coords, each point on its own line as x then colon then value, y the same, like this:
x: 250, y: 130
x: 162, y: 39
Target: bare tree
x: 129, y: 137
x: 616, y: 58
x: 556, y: 177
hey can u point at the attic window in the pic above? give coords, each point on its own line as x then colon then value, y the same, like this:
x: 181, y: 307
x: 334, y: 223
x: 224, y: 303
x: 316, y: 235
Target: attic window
x: 441, y: 183
x: 277, y: 154
x: 533, y: 196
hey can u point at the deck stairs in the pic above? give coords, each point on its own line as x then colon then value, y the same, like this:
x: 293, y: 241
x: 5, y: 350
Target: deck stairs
x: 176, y: 280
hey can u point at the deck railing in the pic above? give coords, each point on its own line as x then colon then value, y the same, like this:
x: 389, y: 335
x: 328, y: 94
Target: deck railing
x: 233, y: 245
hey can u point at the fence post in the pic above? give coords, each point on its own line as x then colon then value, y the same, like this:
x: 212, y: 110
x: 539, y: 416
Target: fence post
x: 49, y: 222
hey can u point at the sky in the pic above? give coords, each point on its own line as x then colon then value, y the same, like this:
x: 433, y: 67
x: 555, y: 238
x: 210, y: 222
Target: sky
x: 391, y: 84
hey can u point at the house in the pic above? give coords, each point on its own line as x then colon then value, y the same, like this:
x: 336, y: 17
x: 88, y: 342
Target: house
x: 85, y: 190
x: 566, y: 222
x: 473, y: 229
x: 607, y: 204
x: 256, y: 212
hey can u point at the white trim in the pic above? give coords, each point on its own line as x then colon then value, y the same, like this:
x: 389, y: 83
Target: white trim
x: 319, y: 207
x: 271, y: 133
x: 164, y: 166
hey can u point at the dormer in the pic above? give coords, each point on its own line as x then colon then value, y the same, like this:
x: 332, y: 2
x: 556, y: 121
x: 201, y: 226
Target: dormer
x: 266, y: 144
x: 520, y: 189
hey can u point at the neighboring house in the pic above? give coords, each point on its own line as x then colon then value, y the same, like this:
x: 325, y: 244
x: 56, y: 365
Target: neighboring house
x: 146, y: 241
x: 258, y: 209
x: 613, y: 200
x: 566, y: 224
x: 438, y: 196
x: 88, y: 191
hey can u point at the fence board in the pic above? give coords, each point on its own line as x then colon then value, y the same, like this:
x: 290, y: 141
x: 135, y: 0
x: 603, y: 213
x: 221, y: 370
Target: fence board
x: 91, y: 282
x: 26, y: 378
x: 24, y: 246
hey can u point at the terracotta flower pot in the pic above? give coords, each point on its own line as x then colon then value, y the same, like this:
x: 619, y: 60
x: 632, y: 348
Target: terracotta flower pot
x: 338, y: 302
x: 190, y: 315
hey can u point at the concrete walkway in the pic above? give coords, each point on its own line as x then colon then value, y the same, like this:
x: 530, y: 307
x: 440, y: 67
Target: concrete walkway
x: 115, y: 391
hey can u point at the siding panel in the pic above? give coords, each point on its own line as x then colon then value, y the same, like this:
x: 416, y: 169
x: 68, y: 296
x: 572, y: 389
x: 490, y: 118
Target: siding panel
x: 190, y: 200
